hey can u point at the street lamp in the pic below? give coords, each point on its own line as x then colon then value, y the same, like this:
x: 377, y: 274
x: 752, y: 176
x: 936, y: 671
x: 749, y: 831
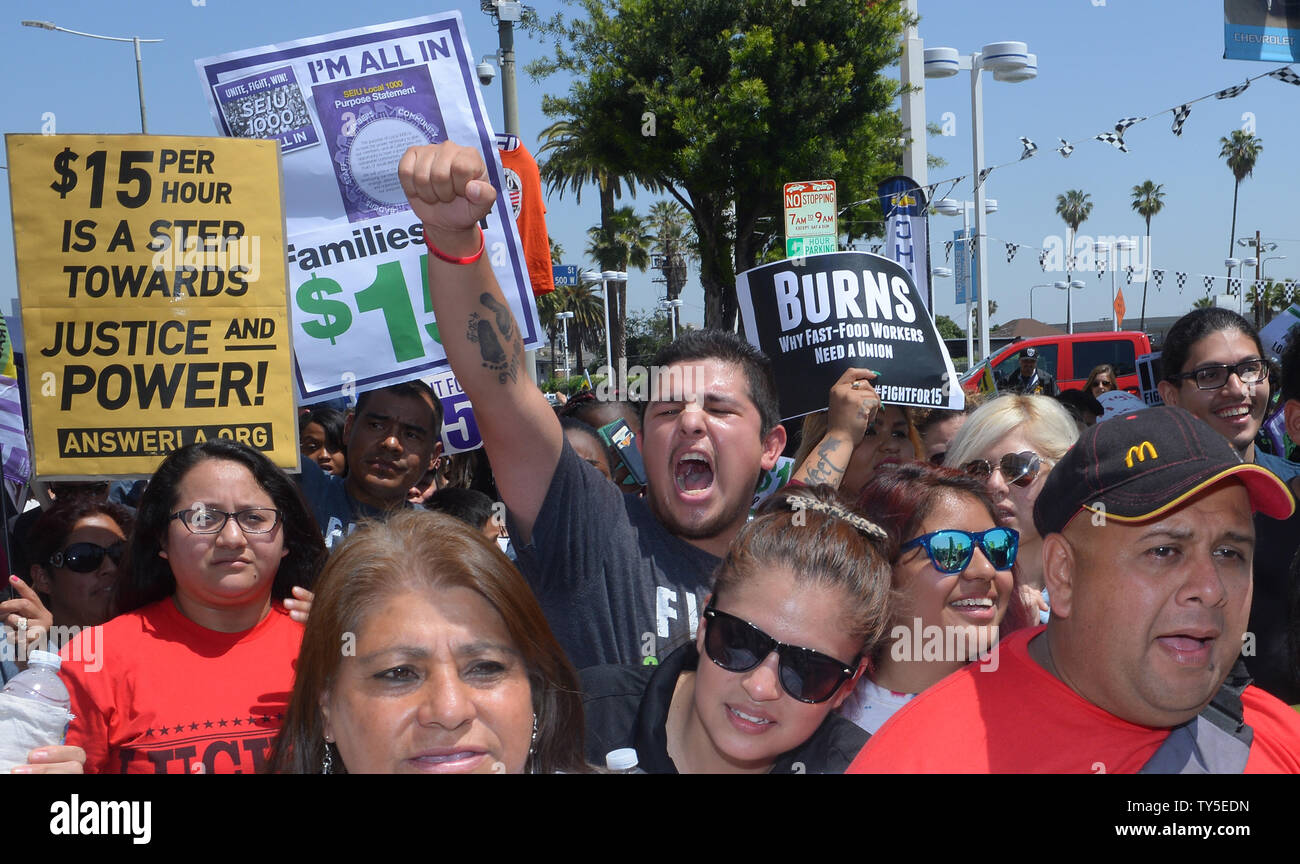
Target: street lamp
x: 1230, y: 263
x: 1061, y: 285
x: 1010, y: 62
x: 672, y: 307
x: 1101, y: 247
x: 1031, y: 294
x: 953, y: 207
x: 591, y: 277
x: 565, y: 317
x: 135, y: 40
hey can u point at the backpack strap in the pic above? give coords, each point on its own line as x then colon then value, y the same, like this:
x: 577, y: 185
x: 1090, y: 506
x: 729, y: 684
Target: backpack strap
x: 1216, y: 741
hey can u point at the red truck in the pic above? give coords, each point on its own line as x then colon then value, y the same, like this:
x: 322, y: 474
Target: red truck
x: 1070, y: 358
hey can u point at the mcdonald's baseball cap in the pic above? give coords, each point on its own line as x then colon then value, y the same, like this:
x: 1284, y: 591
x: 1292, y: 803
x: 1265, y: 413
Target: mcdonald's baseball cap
x: 1138, y: 466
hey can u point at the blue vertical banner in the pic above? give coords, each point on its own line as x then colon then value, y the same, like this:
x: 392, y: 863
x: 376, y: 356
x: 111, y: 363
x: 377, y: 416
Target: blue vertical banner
x: 1261, y: 30
x: 906, y: 239
x: 964, y: 273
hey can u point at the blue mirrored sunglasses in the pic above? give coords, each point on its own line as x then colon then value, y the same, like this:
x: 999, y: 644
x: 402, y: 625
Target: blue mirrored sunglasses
x: 951, y: 550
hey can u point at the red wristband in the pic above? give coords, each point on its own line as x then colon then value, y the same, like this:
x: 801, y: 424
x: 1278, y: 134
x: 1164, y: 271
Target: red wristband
x: 452, y: 259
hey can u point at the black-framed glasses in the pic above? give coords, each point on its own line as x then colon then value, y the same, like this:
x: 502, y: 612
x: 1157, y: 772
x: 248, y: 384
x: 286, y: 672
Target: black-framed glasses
x: 1018, y: 468
x: 205, y: 520
x: 738, y: 646
x: 1215, y: 375
x: 86, y: 557
x: 951, y: 550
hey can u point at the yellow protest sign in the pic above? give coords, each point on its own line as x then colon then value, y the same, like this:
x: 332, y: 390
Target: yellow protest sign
x: 151, y: 278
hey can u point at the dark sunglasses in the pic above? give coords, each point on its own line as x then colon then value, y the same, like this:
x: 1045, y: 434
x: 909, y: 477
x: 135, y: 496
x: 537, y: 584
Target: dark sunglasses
x: 1215, y: 375
x: 738, y: 646
x: 951, y: 550
x: 85, y: 557
x: 1018, y: 468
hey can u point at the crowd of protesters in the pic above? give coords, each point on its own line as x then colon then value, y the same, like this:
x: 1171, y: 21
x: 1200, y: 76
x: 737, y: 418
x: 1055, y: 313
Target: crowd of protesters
x: 1024, y: 586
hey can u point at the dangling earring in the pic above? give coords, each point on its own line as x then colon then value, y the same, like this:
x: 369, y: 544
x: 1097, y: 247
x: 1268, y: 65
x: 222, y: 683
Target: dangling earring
x: 532, y: 745
x: 327, y: 763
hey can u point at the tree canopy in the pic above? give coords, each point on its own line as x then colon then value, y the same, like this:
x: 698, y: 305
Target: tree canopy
x: 720, y: 102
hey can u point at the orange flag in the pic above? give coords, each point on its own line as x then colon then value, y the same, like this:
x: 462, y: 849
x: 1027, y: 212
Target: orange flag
x: 1120, y: 308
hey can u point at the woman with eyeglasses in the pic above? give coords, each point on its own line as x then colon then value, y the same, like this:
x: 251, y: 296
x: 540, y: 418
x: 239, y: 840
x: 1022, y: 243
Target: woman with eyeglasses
x: 1011, y: 443
x: 953, y: 572
x: 799, y: 603
x: 1100, y: 380
x: 1214, y: 366
x: 194, y: 674
x: 76, y: 546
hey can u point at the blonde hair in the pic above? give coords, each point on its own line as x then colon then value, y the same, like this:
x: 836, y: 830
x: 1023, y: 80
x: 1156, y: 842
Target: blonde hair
x: 1048, y: 427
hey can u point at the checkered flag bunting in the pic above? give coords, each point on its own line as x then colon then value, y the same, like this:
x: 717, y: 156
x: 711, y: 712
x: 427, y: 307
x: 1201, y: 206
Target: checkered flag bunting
x: 1101, y: 266
x: 1065, y: 149
x: 1030, y: 147
x: 1229, y: 92
x: 1011, y: 251
x: 1234, y: 285
x: 1159, y: 276
x: 875, y: 248
x: 984, y: 172
x: 1129, y: 270
x: 1114, y: 139
x: 1042, y: 260
x: 947, y: 250
x: 1180, y: 117
x: 1182, y: 280
x: 1127, y: 122
x: 1209, y: 283
x: 1285, y: 74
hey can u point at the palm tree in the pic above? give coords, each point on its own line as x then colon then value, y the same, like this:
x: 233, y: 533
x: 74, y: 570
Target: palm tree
x: 622, y: 244
x: 1074, y: 207
x: 1241, y: 150
x: 675, y: 242
x: 1148, y: 200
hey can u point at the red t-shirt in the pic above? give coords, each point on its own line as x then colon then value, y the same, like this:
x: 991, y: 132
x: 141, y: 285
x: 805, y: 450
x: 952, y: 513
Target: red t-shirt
x: 1019, y: 718
x: 155, y: 693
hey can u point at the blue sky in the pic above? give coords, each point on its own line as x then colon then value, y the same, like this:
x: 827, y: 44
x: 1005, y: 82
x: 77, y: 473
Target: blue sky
x: 1098, y: 62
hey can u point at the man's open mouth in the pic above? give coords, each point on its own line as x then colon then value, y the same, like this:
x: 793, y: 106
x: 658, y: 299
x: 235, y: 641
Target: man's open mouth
x: 693, y: 473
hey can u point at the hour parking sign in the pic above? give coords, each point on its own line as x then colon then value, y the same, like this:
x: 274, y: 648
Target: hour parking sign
x: 810, y: 218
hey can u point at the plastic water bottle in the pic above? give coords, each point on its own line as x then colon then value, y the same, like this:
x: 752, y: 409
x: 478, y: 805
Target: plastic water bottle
x: 623, y: 761
x: 40, y: 681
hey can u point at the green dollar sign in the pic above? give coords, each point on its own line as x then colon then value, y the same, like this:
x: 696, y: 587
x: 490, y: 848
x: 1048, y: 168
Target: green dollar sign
x: 335, y: 314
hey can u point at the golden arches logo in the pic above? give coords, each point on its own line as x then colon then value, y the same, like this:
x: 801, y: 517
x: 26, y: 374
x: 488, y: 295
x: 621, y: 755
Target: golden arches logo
x: 1139, y: 450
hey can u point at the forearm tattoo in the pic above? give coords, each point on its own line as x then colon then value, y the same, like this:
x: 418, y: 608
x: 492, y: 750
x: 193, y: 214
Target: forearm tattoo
x: 826, y: 471
x: 500, y: 354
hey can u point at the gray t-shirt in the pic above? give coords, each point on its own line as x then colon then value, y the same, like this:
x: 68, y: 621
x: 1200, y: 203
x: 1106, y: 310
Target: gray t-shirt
x: 615, y: 585
x: 337, y: 513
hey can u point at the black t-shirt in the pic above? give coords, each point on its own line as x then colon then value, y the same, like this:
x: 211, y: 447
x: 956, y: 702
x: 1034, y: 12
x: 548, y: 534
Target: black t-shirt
x: 615, y: 585
x: 1044, y: 385
x: 1269, y: 650
x: 627, y: 706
